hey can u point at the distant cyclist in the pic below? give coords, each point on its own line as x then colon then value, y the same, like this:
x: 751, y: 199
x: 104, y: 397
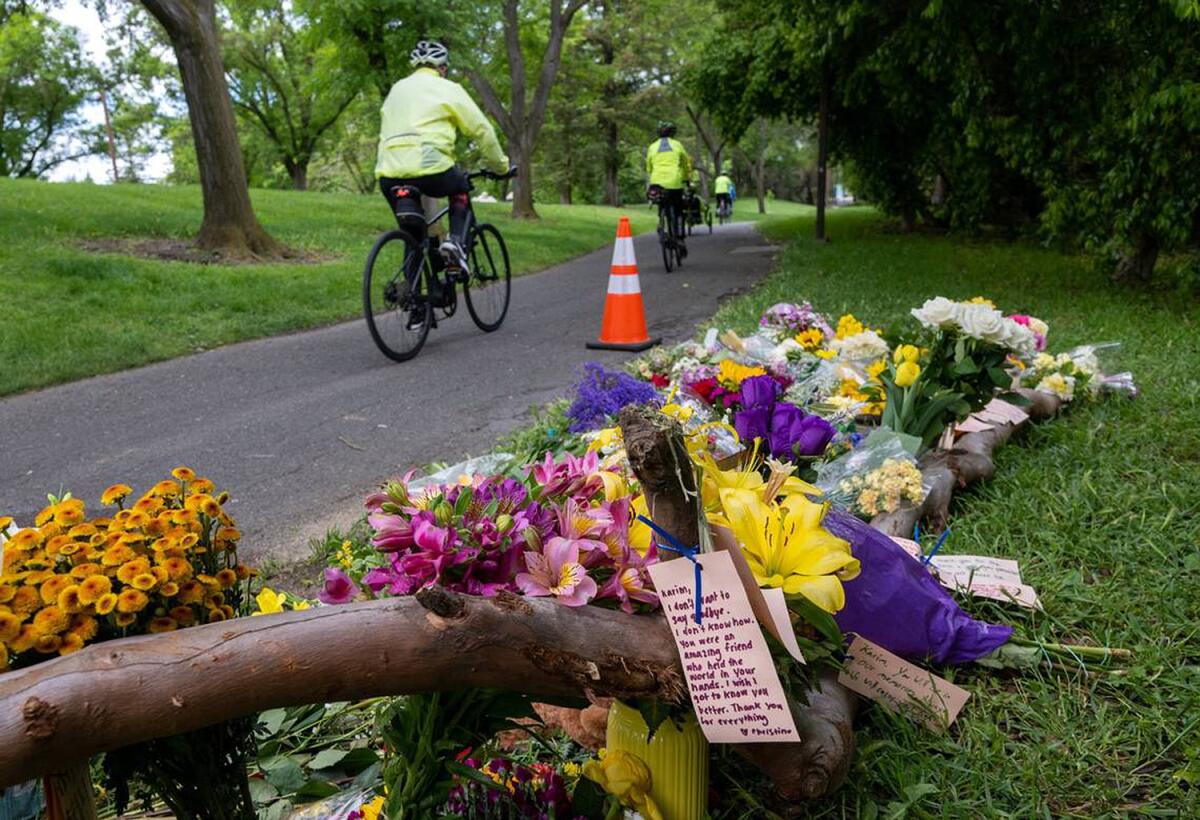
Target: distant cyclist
x: 421, y: 119
x: 670, y: 168
x: 723, y: 188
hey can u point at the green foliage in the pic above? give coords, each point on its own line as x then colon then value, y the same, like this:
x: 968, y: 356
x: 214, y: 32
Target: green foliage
x: 1081, y: 119
x: 547, y: 433
x: 44, y: 78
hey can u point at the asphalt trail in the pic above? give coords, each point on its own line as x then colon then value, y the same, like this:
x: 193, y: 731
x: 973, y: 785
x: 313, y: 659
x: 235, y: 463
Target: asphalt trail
x: 300, y: 427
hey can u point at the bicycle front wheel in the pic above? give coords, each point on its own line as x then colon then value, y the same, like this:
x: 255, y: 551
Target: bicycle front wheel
x: 396, y: 296
x: 489, y: 287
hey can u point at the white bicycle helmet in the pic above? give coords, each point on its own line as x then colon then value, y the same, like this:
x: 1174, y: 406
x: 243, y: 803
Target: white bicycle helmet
x: 430, y: 53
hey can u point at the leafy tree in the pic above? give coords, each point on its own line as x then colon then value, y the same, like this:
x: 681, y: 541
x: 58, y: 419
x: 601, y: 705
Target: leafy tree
x: 229, y: 225
x: 44, y: 78
x: 286, y: 79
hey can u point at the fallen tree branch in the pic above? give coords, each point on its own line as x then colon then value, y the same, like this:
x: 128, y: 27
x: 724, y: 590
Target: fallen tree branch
x: 121, y: 692
x: 969, y: 461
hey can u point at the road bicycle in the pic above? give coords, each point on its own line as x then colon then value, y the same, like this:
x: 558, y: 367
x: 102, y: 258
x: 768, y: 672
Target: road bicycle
x: 673, y: 250
x: 407, y: 288
x: 724, y: 211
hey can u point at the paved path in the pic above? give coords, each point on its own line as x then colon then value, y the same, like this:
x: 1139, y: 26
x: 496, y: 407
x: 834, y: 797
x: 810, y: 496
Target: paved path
x: 301, y: 427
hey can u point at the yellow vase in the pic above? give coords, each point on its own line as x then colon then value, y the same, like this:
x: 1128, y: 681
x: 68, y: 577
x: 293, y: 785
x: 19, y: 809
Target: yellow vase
x: 678, y: 760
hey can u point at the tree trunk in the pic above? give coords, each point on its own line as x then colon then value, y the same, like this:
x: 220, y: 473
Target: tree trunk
x: 822, y: 155
x: 108, y: 133
x: 229, y: 225
x: 612, y: 162
x: 1137, y: 267
x: 299, y: 174
x: 564, y: 192
x: 69, y: 794
x: 523, y: 185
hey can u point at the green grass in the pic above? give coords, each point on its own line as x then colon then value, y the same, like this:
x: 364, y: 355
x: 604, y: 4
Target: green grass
x: 69, y: 313
x: 746, y: 210
x: 1101, y: 507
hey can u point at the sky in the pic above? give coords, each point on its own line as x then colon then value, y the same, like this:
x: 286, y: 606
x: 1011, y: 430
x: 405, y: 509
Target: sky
x: 83, y: 17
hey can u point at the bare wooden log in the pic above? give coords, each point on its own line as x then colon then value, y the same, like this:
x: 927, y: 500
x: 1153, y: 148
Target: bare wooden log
x: 121, y: 692
x: 969, y: 461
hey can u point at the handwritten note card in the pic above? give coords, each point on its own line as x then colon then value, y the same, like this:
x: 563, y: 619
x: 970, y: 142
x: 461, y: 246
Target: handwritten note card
x: 910, y: 546
x: 782, y: 620
x: 877, y: 674
x: 987, y: 577
x: 971, y: 424
x: 1004, y: 411
x: 730, y: 674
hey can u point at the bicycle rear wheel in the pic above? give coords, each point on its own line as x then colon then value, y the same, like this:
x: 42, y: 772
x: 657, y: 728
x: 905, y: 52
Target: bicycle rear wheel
x: 489, y: 287
x: 665, y: 242
x: 396, y: 296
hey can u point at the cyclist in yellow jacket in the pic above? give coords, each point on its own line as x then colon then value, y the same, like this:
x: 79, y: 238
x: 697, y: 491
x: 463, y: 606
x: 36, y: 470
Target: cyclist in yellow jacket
x: 421, y: 118
x: 723, y: 188
x: 670, y: 168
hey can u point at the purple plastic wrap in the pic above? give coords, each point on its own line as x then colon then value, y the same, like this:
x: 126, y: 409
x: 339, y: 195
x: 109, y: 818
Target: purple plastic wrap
x: 896, y: 603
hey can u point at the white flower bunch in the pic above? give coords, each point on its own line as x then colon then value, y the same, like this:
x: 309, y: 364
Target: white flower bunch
x: 979, y: 321
x: 861, y: 347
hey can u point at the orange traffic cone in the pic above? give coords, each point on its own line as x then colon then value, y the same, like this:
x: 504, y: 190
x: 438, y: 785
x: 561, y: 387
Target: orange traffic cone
x: 624, y: 324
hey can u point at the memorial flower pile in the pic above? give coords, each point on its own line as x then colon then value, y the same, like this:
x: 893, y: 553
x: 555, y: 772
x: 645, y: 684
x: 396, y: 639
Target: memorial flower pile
x: 568, y: 532
x: 164, y: 561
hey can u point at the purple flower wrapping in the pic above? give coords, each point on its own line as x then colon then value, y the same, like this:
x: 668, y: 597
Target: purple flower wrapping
x: 896, y: 603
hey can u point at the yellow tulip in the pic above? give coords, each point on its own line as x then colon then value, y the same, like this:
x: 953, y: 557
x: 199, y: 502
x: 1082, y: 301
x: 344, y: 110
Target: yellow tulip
x: 269, y: 601
x: 786, y: 546
x: 906, y: 353
x: 906, y: 374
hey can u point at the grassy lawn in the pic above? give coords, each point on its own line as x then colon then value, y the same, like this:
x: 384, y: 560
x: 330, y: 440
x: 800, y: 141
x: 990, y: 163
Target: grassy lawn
x: 70, y: 313
x: 1101, y: 507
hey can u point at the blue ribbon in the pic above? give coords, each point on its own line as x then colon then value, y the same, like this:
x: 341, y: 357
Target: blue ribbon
x: 937, y: 546
x: 689, y: 553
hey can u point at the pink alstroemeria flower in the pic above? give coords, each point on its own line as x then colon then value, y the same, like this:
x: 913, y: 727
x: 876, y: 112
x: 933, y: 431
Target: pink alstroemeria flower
x: 574, y: 476
x: 557, y: 572
x: 437, y: 550
x: 629, y: 584
x: 393, y: 533
x: 339, y: 587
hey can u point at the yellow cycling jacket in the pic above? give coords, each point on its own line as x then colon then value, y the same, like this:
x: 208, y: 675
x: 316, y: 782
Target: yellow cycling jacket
x: 721, y: 184
x: 667, y: 163
x: 422, y: 116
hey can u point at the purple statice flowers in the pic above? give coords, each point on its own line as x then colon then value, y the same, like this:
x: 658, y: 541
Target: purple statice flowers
x: 795, y: 318
x: 602, y: 393
x: 788, y: 431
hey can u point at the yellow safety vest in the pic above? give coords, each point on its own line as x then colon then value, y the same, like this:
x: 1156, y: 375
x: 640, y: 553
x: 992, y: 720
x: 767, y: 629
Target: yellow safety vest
x: 721, y: 184
x: 421, y: 119
x: 667, y: 163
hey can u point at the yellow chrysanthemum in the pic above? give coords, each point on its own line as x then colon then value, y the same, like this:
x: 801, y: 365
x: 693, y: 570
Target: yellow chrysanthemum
x: 226, y: 578
x: 115, y: 556
x: 169, y: 590
x: 54, y: 585
x: 25, y: 600
x: 183, y: 615
x: 25, y: 639
x: 7, y: 593
x: 132, y: 600
x: 214, y: 616
x: 3, y: 658
x: 68, y: 600
x: 5, y: 522
x: 127, y: 571
x: 202, y: 485
x: 25, y: 539
x: 47, y: 644
x: 227, y: 535
x: 85, y: 626
x: 162, y: 625
x: 178, y: 569
x: 144, y: 581
x: 55, y: 544
x: 191, y: 592
x: 184, y: 473
x: 86, y: 570
x: 166, y: 489
x: 124, y: 619
x: 92, y: 588
x: 50, y: 620
x: 10, y: 627
x: 70, y: 643
x: 244, y: 572
x: 115, y: 494
x: 106, y: 603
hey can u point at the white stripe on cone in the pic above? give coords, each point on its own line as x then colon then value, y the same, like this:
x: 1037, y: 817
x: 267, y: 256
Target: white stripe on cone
x: 623, y: 252
x: 624, y: 284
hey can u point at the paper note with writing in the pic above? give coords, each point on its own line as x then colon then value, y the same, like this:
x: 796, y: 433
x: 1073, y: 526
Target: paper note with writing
x: 972, y: 424
x: 961, y: 570
x: 1006, y: 410
x: 784, y: 631
x: 910, y: 546
x: 877, y: 674
x: 732, y: 680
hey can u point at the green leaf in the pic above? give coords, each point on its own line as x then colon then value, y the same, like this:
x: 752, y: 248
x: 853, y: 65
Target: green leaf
x: 654, y: 712
x: 317, y: 788
x: 327, y: 758
x: 269, y: 722
x: 589, y: 800
x: 818, y: 618
x: 283, y: 773
x: 357, y: 760
x: 1000, y: 377
x: 276, y: 811
x: 261, y: 791
x: 471, y: 773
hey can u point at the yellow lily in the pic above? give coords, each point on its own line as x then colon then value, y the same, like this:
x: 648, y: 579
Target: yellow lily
x: 615, y: 485
x: 786, y: 546
x: 639, y: 533
x: 606, y: 439
x: 626, y: 777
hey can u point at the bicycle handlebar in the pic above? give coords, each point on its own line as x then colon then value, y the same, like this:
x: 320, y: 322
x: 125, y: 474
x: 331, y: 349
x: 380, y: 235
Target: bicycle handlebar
x: 512, y: 172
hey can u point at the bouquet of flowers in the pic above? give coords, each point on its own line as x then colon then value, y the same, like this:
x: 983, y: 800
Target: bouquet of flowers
x: 889, y: 486
x: 602, y: 393
x: 793, y: 319
x: 1064, y: 375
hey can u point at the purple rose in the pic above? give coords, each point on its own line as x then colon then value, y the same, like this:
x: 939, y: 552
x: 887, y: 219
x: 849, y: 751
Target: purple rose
x: 759, y: 391
x: 815, y: 435
x: 752, y: 423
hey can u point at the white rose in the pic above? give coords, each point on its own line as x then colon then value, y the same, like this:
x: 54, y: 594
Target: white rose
x: 983, y: 322
x: 865, y: 345
x: 1038, y: 326
x: 1020, y: 340
x: 938, y: 312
